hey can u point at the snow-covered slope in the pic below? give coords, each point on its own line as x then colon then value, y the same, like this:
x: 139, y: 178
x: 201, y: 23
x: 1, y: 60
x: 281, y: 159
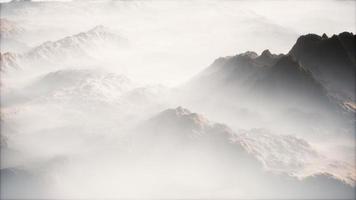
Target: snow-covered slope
x: 83, y: 47
x: 80, y: 44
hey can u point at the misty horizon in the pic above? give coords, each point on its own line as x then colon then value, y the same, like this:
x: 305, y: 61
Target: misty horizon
x: 178, y: 99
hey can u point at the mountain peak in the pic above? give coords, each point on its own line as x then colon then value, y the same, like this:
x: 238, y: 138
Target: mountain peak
x: 267, y: 53
x: 98, y: 29
x: 267, y: 58
x: 181, y: 112
x: 182, y: 117
x: 330, y: 60
x: 346, y: 34
x: 324, y: 36
x: 309, y: 38
x: 249, y: 54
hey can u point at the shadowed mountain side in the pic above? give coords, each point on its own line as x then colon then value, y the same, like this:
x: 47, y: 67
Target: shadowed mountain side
x: 265, y: 90
x: 239, y: 70
x: 289, y: 84
x: 265, y: 80
x: 331, y: 60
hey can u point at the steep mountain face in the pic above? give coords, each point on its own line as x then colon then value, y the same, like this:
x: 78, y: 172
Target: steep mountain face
x: 287, y: 83
x: 266, y: 80
x: 235, y: 73
x: 317, y: 72
x: 262, y: 90
x: 331, y: 60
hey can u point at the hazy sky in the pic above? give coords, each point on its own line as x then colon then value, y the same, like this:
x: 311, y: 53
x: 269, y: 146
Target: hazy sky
x: 174, y: 40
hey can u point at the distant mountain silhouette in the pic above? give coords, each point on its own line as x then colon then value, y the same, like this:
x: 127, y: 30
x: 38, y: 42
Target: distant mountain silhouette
x: 71, y: 49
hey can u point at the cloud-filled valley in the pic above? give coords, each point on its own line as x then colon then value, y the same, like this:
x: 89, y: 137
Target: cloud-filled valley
x: 177, y: 99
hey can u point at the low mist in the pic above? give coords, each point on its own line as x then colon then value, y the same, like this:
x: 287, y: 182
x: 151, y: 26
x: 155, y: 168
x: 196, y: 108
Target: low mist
x: 175, y: 100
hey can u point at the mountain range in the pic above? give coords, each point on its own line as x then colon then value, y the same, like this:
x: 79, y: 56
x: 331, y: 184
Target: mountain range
x: 300, y: 73
x: 130, y: 99
x: 292, y: 87
x: 254, y: 153
x: 296, y: 93
x: 69, y: 50
x: 178, y: 141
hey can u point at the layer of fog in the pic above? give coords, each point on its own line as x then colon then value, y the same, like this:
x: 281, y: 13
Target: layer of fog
x: 72, y: 139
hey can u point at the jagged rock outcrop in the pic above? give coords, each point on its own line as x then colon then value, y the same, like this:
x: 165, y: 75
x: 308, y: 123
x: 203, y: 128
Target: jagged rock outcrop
x: 331, y: 60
